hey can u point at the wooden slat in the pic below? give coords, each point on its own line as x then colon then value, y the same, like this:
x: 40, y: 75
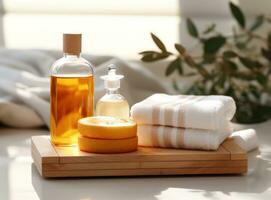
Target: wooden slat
x: 144, y: 172
x: 144, y: 165
x: 45, y: 149
x: 237, y: 153
x: 91, y: 166
x: 72, y: 155
x: 194, y: 164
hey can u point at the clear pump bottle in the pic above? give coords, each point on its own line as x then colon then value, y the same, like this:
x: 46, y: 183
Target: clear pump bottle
x: 112, y: 103
x: 71, y: 95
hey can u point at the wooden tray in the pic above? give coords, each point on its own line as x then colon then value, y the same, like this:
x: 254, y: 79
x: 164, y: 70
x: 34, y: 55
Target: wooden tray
x: 54, y: 161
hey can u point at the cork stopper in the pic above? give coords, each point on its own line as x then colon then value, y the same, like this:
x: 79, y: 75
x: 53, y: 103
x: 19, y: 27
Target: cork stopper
x: 72, y: 44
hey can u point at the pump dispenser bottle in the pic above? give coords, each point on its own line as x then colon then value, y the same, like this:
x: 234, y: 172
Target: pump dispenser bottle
x: 71, y: 92
x: 112, y: 103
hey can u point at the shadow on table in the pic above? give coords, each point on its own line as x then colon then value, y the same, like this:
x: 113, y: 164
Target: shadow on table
x: 257, y: 180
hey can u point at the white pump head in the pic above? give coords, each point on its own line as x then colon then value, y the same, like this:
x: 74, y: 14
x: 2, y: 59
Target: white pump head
x: 112, y: 80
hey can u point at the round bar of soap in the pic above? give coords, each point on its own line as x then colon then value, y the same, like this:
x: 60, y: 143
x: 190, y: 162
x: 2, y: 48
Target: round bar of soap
x: 93, y: 145
x: 103, y: 127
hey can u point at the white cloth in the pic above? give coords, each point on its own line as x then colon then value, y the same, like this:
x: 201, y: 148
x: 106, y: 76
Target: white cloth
x: 24, y: 84
x: 188, y: 111
x: 247, y: 139
x: 172, y: 137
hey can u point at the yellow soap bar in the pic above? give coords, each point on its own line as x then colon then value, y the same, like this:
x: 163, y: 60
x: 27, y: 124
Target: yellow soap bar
x: 103, y: 127
x: 107, y: 146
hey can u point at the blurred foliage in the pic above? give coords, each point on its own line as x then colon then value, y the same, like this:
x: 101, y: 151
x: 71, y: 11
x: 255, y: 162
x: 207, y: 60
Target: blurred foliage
x: 230, y: 65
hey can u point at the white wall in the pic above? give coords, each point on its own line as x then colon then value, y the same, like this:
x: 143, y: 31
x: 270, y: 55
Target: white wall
x: 116, y: 27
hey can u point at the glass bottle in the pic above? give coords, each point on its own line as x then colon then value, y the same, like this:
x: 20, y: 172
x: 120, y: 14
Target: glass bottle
x: 112, y: 103
x: 71, y: 95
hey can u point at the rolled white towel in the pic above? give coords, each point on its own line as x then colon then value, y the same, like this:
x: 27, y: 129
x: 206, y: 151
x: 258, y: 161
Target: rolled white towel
x: 247, y: 139
x: 188, y: 111
x: 172, y: 137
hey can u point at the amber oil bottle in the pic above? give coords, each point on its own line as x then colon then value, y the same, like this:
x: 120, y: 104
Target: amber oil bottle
x: 71, y: 97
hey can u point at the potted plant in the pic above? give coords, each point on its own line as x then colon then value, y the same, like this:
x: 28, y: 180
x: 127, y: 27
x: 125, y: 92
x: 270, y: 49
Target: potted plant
x: 237, y: 65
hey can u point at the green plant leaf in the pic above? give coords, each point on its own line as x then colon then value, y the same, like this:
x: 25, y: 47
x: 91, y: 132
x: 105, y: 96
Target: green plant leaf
x: 191, y: 74
x: 190, y: 62
x: 175, y: 86
x: 208, y: 58
x: 209, y: 29
x: 231, y: 65
x: 241, y: 45
x: 249, y: 112
x: 226, y: 67
x: 244, y: 76
x: 150, y: 57
x: 159, y: 43
x: 266, y: 53
x: 257, y: 23
x: 262, y: 79
x: 229, y: 54
x: 192, y: 29
x: 255, y: 91
x: 221, y: 80
x: 249, y: 63
x: 213, y: 44
x: 180, y: 49
x: 238, y: 14
x: 174, y: 65
x: 269, y: 40
x: 147, y: 52
x: 162, y: 54
x: 180, y: 68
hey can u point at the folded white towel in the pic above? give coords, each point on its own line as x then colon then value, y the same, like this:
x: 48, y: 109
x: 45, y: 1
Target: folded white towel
x: 198, y: 112
x: 172, y: 137
x: 247, y: 139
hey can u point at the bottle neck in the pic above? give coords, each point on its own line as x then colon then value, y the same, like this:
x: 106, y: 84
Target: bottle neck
x: 116, y: 91
x: 72, y: 56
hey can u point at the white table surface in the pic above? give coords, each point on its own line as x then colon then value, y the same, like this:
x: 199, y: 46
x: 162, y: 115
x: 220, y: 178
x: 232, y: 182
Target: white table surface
x: 19, y: 180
